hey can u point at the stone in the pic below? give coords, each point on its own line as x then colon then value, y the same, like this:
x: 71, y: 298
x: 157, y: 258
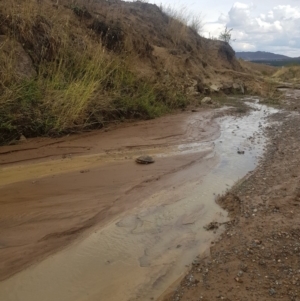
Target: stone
x: 211, y: 226
x: 18, y: 57
x: 272, y: 292
x: 235, y: 86
x: 239, y: 87
x: 214, y: 88
x: 244, y: 267
x: 144, y: 160
x: 206, y: 100
x: 22, y: 138
x: 237, y: 279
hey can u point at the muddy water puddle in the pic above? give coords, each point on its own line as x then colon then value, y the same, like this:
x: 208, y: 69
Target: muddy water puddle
x: 145, y: 249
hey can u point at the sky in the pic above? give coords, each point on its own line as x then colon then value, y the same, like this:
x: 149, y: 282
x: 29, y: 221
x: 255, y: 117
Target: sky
x: 257, y: 25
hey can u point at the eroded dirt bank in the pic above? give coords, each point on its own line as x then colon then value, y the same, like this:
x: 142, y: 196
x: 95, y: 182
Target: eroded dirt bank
x: 258, y: 255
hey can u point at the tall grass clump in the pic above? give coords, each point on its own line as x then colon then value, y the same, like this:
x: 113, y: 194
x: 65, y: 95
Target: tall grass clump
x: 57, y: 98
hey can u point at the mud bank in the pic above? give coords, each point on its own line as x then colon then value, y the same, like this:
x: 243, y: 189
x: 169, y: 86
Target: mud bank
x: 140, y: 226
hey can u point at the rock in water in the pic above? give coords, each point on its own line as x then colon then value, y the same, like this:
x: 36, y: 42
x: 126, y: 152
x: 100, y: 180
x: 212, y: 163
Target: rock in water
x: 144, y: 160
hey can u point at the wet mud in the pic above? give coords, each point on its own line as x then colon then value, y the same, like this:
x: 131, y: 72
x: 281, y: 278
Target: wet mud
x: 138, y: 227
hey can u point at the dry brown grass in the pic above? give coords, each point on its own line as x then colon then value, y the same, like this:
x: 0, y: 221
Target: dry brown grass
x: 288, y: 74
x: 79, y: 82
x: 258, y: 69
x: 180, y: 22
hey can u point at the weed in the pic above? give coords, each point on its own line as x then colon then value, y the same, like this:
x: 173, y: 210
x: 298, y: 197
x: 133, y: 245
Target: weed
x: 225, y: 36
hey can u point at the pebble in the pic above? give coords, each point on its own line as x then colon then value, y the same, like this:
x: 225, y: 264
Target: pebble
x: 272, y: 292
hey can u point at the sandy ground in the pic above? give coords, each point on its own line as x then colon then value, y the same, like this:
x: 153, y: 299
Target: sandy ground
x: 54, y: 190
x: 258, y: 255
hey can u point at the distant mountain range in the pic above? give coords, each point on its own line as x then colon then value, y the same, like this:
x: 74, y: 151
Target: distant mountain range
x: 261, y: 56
x: 267, y: 58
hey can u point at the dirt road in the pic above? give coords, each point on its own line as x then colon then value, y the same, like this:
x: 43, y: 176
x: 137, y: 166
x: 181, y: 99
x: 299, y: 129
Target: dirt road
x: 137, y: 227
x: 258, y: 255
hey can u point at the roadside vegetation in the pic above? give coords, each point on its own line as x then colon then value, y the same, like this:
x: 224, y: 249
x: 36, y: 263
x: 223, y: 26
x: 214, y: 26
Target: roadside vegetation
x: 73, y: 84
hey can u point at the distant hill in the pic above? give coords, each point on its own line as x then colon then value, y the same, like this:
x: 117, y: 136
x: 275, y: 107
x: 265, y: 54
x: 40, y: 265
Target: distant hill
x: 268, y: 58
x: 261, y: 56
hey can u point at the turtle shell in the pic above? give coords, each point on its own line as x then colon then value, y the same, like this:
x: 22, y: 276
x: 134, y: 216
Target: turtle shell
x: 144, y: 160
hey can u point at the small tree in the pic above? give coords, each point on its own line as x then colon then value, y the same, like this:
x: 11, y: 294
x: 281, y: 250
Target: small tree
x: 226, y: 35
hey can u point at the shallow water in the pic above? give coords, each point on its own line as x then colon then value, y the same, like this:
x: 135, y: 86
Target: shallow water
x: 144, y: 250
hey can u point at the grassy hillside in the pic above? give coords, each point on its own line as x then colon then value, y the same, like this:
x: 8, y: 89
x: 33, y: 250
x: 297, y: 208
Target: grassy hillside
x: 71, y: 65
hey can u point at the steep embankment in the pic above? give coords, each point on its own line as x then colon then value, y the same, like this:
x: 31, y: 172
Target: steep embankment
x: 80, y: 64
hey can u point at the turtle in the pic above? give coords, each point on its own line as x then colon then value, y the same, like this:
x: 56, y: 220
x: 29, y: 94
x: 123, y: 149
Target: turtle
x: 144, y: 160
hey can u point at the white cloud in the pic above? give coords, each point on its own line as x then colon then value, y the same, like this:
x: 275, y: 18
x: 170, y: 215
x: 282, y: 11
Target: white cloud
x: 245, y: 46
x: 286, y: 12
x: 277, y: 28
x: 223, y: 18
x: 239, y: 15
